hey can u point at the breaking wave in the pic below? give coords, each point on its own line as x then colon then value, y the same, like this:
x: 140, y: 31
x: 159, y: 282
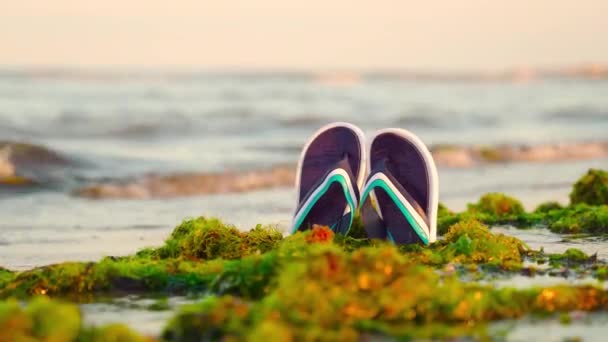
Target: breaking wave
x: 189, y: 184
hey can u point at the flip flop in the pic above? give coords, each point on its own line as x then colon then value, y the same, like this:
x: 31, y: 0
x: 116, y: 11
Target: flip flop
x: 330, y: 173
x: 400, y: 196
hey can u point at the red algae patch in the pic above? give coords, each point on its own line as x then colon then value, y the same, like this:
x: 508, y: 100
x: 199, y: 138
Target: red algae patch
x: 321, y: 234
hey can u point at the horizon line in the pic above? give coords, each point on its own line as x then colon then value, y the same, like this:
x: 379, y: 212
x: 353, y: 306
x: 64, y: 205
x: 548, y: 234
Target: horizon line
x: 50, y: 68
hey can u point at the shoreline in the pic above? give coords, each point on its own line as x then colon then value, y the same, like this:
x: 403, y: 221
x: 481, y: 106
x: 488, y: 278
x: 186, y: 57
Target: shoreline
x: 191, y: 184
x: 27, y: 166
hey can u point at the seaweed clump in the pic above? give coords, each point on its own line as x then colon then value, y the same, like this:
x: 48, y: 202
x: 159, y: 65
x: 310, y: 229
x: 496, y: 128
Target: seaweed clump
x: 443, y: 211
x: 491, y: 209
x: 549, y: 206
x: 587, y: 213
x: 591, y: 189
x: 497, y: 204
x: 50, y: 320
x: 206, y: 239
x: 5, y: 276
x: 243, y: 265
x: 581, y: 218
x: 572, y: 256
x: 472, y: 242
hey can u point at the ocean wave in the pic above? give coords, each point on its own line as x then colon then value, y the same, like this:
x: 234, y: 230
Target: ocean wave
x: 190, y: 184
x: 25, y: 164
x: 304, y: 121
x: 470, y: 156
x: 450, y: 156
x: 122, y: 125
x: 80, y: 124
x: 426, y: 117
x: 578, y: 114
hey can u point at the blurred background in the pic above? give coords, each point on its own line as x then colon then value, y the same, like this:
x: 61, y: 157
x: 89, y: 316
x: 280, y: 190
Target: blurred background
x: 119, y: 119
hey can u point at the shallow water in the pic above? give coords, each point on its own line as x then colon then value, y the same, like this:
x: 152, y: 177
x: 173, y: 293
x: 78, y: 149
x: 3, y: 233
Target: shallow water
x: 133, y: 311
x: 584, y: 327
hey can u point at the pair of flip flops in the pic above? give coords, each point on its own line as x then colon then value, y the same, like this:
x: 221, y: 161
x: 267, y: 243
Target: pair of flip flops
x: 395, y: 187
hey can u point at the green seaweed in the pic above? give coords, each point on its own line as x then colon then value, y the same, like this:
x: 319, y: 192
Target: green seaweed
x: 498, y: 209
x: 522, y: 221
x: 112, y: 333
x: 592, y: 188
x: 443, y: 211
x: 5, y: 276
x: 471, y: 242
x: 581, y: 218
x: 161, y: 304
x: 134, y: 275
x: 331, y: 294
x: 357, y: 230
x: 569, y: 257
x: 174, y: 269
x: 206, y: 239
x: 40, y: 320
x: 546, y: 207
x: 497, y: 204
x: 51, y: 320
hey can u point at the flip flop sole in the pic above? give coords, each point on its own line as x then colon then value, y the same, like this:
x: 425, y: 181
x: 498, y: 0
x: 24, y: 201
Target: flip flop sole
x: 410, y: 164
x: 325, y: 193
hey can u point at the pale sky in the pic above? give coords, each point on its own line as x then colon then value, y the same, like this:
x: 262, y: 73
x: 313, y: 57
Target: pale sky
x: 310, y: 34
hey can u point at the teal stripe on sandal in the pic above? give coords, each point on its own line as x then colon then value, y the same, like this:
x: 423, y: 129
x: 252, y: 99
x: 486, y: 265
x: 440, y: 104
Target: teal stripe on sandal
x: 343, y: 181
x: 379, y: 183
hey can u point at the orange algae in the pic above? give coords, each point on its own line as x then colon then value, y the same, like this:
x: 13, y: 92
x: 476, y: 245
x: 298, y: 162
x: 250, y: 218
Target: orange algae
x: 320, y: 234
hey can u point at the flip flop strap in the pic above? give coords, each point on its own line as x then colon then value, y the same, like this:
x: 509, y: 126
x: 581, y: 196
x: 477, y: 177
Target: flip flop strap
x: 372, y: 222
x: 382, y: 177
x: 340, y: 173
